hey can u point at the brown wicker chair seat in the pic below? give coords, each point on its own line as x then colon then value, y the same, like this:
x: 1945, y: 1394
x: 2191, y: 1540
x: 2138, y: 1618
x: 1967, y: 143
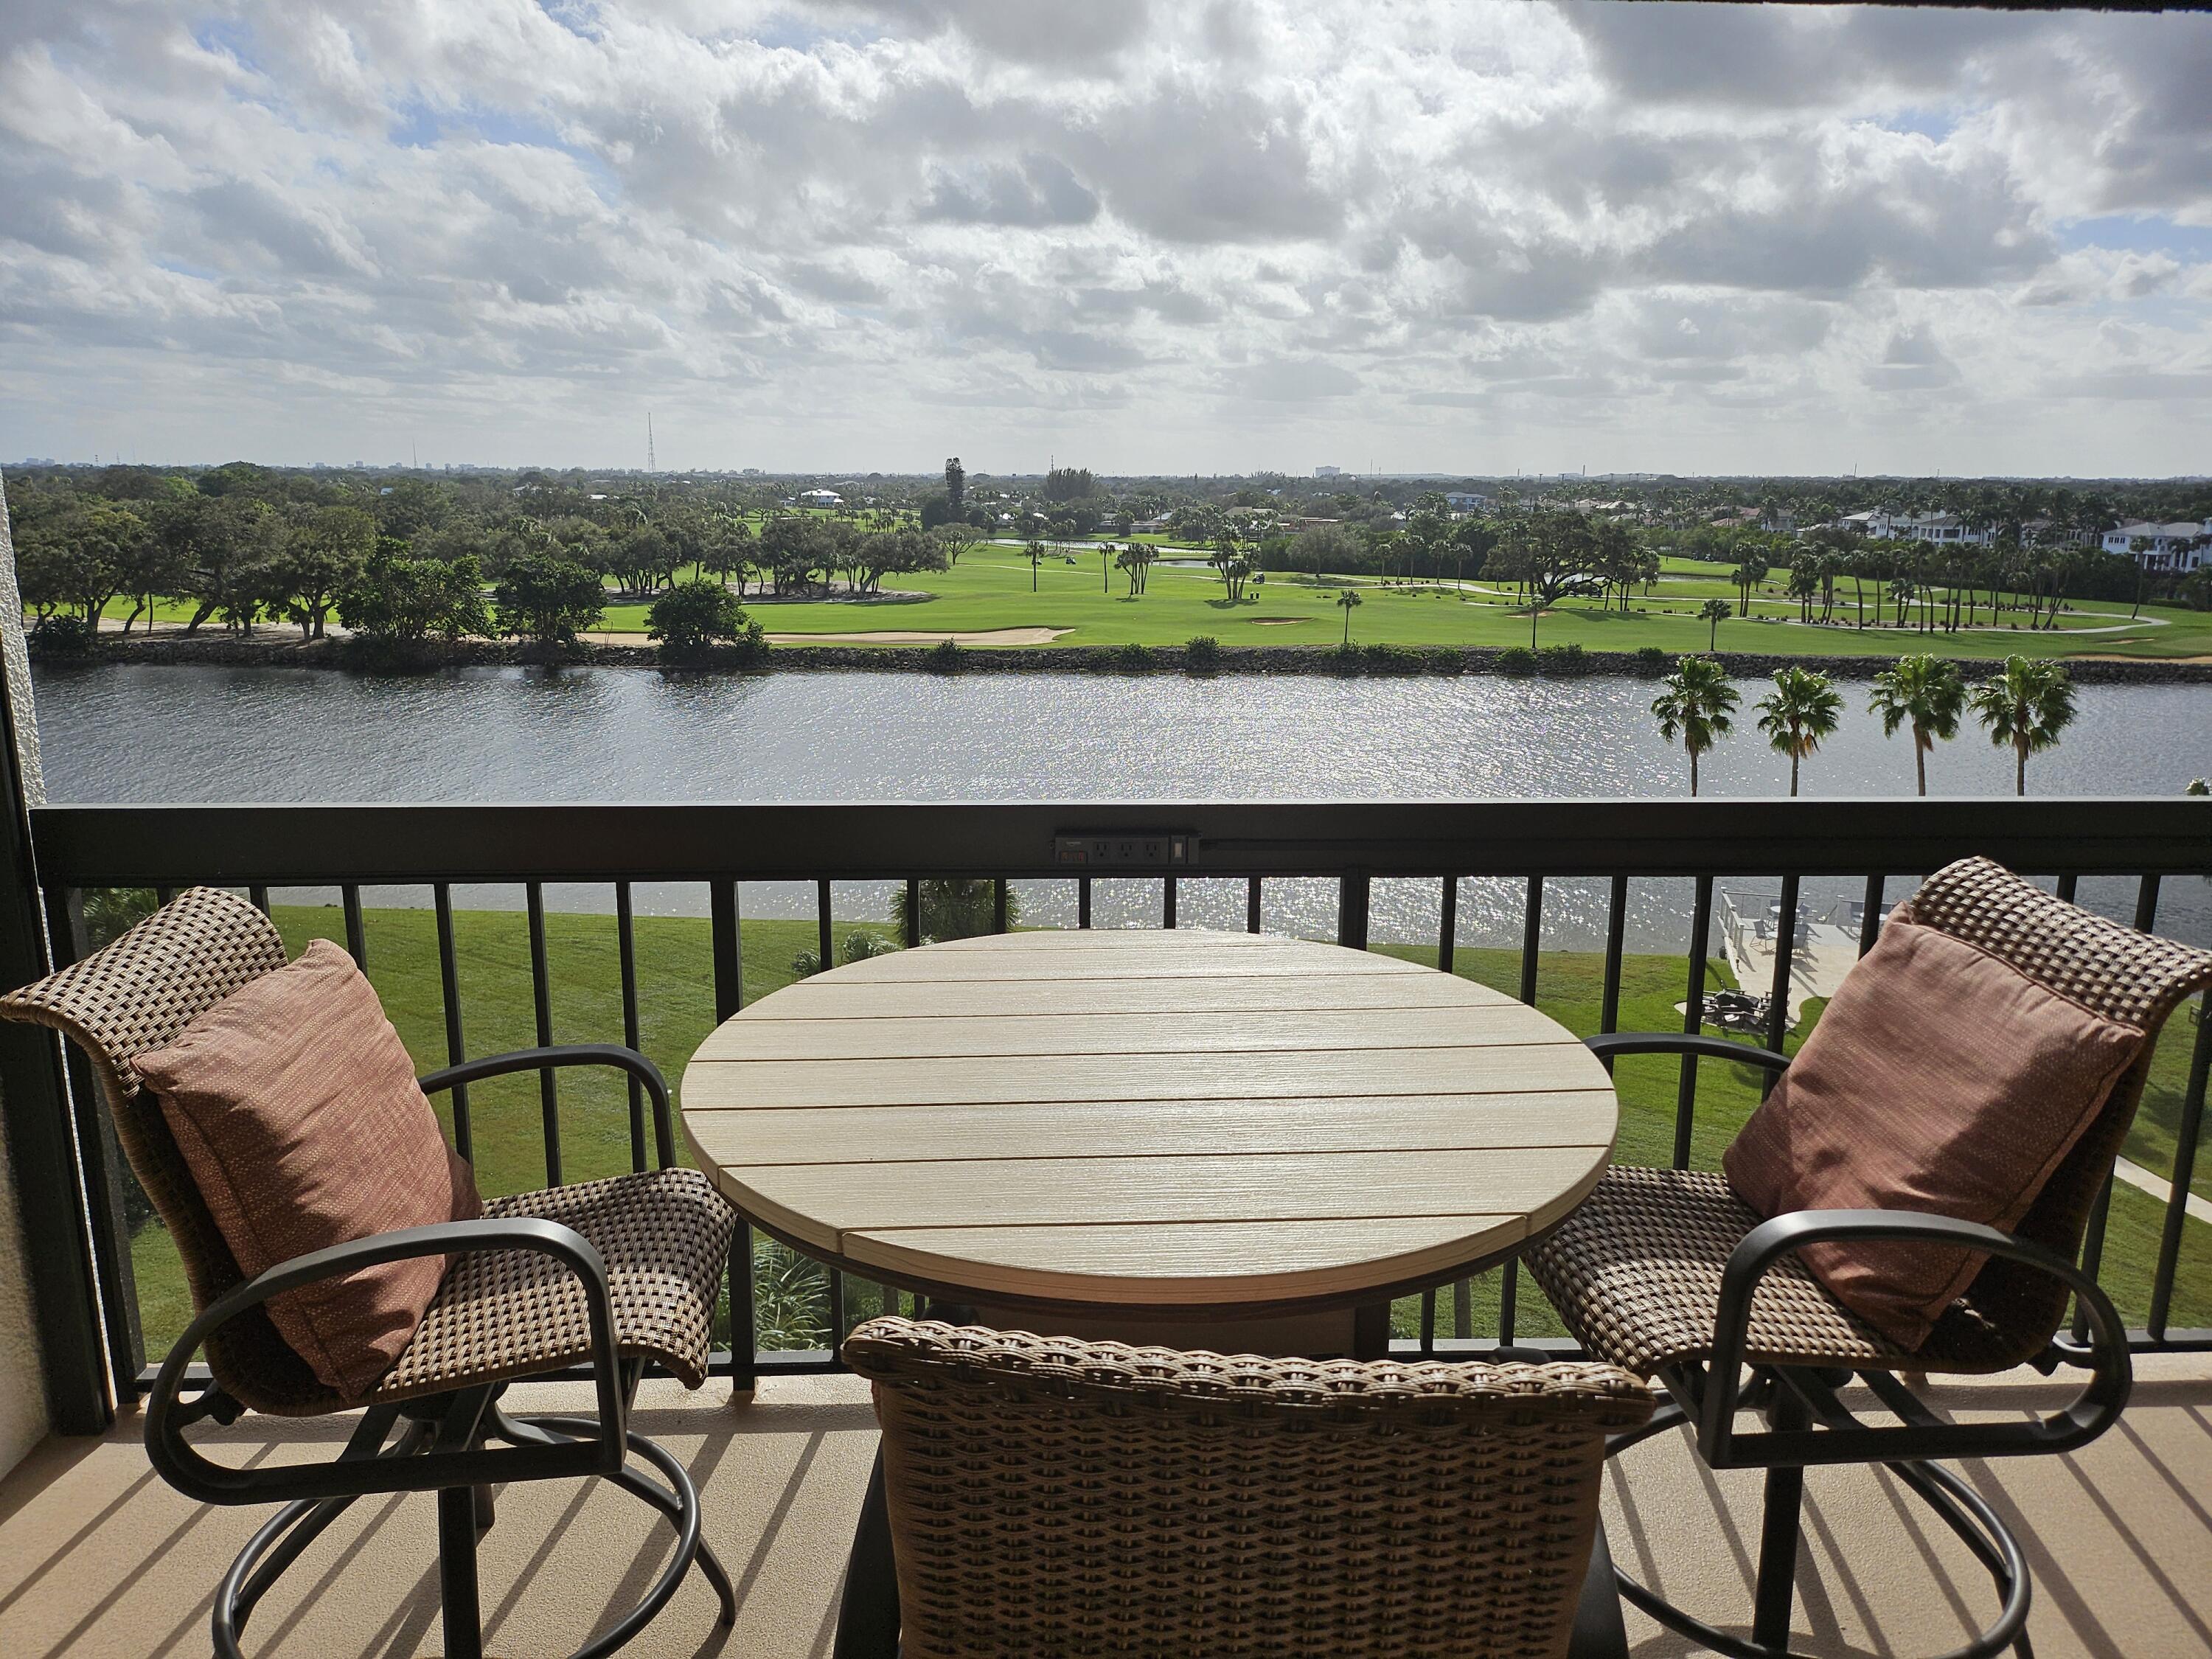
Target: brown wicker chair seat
x: 1050, y: 1496
x: 666, y: 1237
x: 1635, y: 1272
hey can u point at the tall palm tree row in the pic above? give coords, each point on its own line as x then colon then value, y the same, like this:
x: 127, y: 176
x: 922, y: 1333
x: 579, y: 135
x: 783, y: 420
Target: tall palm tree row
x: 2027, y: 704
x: 1929, y: 694
x: 1804, y: 708
x: 1695, y: 706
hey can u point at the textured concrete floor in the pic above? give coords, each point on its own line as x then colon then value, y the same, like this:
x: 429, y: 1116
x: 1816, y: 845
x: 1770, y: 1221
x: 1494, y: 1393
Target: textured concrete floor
x: 97, y: 1557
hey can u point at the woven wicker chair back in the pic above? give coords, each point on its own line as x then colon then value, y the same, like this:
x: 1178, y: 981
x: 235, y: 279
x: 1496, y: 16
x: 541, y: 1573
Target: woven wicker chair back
x: 132, y: 996
x: 2136, y: 978
x: 1076, y: 1498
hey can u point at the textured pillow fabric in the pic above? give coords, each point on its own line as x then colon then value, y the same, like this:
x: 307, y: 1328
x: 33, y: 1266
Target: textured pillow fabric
x: 1938, y: 1080
x: 295, y: 1104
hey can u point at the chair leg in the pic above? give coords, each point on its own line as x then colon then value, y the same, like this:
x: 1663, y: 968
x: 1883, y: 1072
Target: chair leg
x: 457, y: 1573
x: 1780, y: 1525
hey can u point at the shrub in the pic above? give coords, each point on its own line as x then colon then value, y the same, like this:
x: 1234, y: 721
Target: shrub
x: 61, y: 635
x: 1443, y: 659
x: 1564, y: 659
x: 1517, y: 659
x: 1650, y: 656
x: 692, y: 617
x: 945, y: 657
x: 1201, y: 654
x: 1134, y: 658
x: 1392, y: 660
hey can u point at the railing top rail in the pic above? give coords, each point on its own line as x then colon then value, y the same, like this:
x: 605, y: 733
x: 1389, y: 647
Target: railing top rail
x: 311, y: 845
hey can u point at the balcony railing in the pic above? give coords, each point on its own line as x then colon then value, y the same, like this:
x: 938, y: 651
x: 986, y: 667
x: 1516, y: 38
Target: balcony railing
x: 1614, y: 858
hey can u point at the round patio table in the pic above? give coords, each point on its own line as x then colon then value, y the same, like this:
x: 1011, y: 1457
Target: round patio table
x: 1141, y: 1134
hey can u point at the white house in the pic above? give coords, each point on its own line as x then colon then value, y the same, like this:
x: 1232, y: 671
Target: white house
x: 820, y: 498
x: 1938, y: 529
x: 2180, y: 546
x: 1466, y: 501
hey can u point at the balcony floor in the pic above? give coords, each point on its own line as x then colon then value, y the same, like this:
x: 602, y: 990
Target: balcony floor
x: 98, y: 1557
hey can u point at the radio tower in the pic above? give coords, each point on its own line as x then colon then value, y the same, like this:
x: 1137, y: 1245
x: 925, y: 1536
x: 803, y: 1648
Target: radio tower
x: 650, y: 466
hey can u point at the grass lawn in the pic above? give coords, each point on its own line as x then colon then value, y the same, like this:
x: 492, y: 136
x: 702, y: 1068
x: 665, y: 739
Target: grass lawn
x: 991, y: 588
x: 677, y: 1012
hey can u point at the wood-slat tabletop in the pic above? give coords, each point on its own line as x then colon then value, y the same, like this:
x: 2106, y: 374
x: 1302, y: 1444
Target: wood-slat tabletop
x: 1166, y: 1120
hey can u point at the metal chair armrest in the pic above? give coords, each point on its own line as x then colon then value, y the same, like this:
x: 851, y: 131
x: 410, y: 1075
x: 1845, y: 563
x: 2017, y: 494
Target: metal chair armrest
x: 570, y: 1053
x: 216, y: 1483
x: 2091, y: 1411
x: 1614, y: 1044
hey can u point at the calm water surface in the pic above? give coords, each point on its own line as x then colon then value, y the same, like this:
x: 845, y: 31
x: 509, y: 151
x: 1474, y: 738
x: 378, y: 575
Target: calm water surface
x: 137, y: 734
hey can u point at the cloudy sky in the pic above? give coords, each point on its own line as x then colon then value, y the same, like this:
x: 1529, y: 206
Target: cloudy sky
x: 1171, y: 237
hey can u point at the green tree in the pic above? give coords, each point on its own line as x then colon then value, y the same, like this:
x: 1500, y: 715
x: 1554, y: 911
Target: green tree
x: 1927, y: 693
x: 1804, y: 708
x: 2026, y: 704
x: 1714, y: 612
x: 1696, y: 706
x: 399, y: 600
x: 1133, y: 561
x: 1747, y: 576
x: 325, y: 555
x: 1035, y: 554
x: 80, y: 557
x: 1348, y: 601
x: 693, y: 616
x: 547, y: 600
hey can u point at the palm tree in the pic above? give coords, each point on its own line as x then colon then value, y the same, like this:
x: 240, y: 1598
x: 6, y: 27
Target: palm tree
x: 1929, y: 694
x: 1803, y: 708
x: 1695, y: 707
x: 2027, y: 704
x: 1715, y: 612
x: 1035, y: 553
x: 1348, y: 602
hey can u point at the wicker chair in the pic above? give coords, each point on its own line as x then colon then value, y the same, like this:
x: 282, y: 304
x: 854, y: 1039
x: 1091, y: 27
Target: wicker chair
x: 1666, y: 1275
x: 609, y: 1274
x: 1050, y: 1496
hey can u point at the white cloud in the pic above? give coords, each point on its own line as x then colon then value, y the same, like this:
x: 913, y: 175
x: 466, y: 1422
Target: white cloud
x: 1248, y: 232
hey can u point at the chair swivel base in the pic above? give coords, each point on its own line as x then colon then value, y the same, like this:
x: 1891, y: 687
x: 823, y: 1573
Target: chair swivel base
x: 1952, y: 1501
x: 464, y: 1514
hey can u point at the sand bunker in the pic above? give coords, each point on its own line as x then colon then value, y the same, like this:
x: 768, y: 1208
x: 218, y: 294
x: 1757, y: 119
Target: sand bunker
x: 1279, y: 622
x: 900, y: 636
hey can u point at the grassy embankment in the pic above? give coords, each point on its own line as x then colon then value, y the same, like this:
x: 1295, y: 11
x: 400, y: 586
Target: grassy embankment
x: 678, y: 1011
x: 990, y: 589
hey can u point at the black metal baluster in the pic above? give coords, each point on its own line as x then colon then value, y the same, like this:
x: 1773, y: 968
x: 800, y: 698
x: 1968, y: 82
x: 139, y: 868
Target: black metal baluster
x: 2067, y: 883
x: 1694, y: 1019
x: 449, y: 991
x: 356, y: 935
x: 1083, y: 901
x: 913, y: 911
x: 1352, y: 909
x: 1252, y: 904
x: 1870, y: 922
x: 821, y: 926
x: 259, y: 896
x: 1616, y: 935
x: 728, y: 957
x: 2186, y: 1138
x: 1532, y: 935
x: 999, y: 905
x: 1448, y: 926
x: 633, y: 1032
x: 2093, y: 1237
x: 1777, y: 999
x: 163, y: 894
x: 540, y: 998
x: 1168, y: 901
x: 1428, y: 1347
